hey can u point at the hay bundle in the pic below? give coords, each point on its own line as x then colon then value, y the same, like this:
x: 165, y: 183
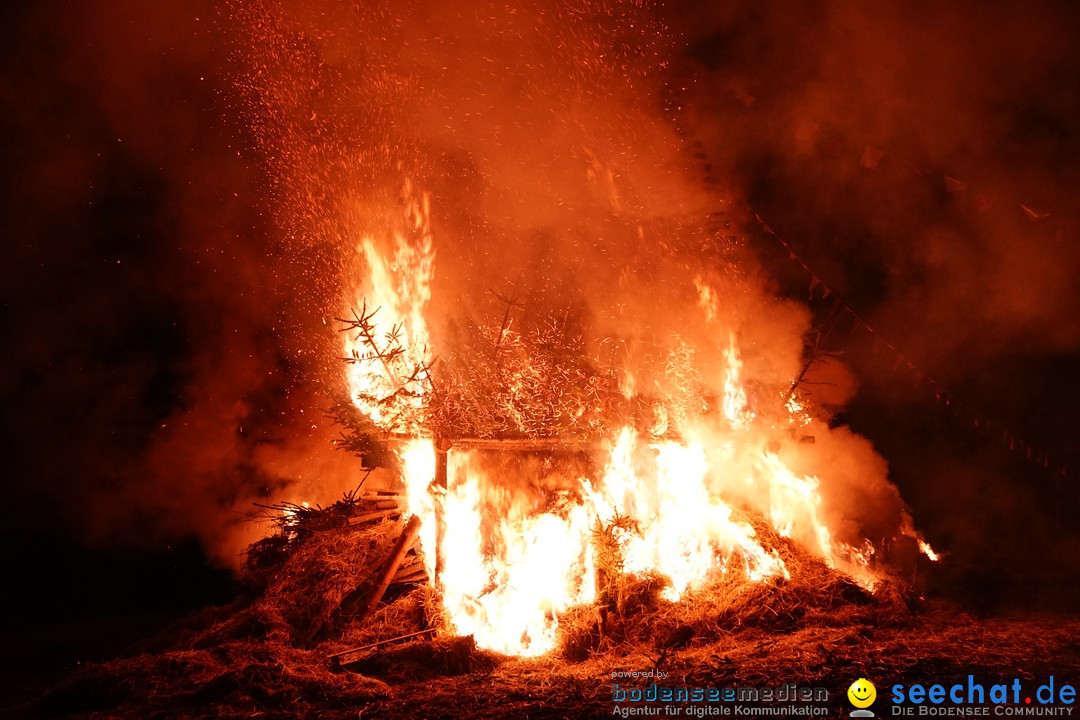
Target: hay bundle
x: 631, y: 616
x: 418, y: 609
x: 300, y: 600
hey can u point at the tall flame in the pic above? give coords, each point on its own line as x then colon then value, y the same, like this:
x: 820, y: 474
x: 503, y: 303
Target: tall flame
x: 736, y: 406
x: 390, y: 360
x: 506, y: 579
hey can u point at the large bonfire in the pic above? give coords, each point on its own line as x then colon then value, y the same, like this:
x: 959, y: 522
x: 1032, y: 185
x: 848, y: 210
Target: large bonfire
x: 556, y: 339
x: 565, y: 473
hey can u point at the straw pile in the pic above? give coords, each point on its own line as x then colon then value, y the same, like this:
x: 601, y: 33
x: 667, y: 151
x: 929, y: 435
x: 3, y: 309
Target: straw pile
x: 269, y: 654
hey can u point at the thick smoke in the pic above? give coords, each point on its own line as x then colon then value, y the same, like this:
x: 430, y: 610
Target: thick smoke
x: 922, y: 158
x: 194, y: 183
x: 792, y: 96
x: 545, y: 138
x: 154, y: 384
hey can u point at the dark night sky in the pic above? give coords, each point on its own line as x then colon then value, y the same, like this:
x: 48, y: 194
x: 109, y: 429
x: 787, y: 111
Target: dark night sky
x: 145, y: 298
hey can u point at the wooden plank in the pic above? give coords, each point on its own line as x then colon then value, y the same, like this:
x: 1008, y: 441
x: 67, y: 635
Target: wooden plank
x: 373, y: 516
x: 344, y: 657
x: 441, y: 480
x: 404, y: 542
x: 523, y: 444
x: 414, y: 576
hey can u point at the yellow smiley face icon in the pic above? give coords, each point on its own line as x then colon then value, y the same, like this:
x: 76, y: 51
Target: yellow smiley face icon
x: 862, y: 693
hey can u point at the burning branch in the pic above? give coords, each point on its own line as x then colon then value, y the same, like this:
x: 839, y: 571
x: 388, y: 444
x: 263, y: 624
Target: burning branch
x: 511, y: 303
x: 293, y: 520
x: 530, y: 379
x: 395, y: 384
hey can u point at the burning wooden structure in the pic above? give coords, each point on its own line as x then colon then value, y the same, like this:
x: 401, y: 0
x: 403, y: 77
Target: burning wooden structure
x: 632, y: 415
x: 540, y: 476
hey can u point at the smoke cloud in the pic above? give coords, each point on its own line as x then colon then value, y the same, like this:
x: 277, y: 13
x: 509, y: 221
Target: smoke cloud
x: 155, y: 384
x: 920, y: 158
x: 193, y: 185
x: 971, y: 113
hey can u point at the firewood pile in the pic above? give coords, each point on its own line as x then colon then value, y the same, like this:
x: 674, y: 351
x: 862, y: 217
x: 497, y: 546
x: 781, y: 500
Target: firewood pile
x: 327, y: 566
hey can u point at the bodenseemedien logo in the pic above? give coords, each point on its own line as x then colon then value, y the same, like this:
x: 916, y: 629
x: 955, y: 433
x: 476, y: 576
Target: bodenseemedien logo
x: 862, y: 694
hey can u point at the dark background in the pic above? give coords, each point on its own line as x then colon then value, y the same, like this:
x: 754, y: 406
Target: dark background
x: 148, y: 383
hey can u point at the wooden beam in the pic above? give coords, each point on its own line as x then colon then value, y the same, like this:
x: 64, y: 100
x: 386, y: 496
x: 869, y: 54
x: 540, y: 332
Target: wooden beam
x: 442, y: 449
x: 569, y: 444
x: 373, y: 516
x: 413, y: 576
x: 531, y: 444
x: 404, y: 542
x: 343, y: 658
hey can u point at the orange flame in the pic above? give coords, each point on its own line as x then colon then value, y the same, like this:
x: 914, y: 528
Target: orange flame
x: 397, y: 291
x: 506, y: 581
x: 736, y: 406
